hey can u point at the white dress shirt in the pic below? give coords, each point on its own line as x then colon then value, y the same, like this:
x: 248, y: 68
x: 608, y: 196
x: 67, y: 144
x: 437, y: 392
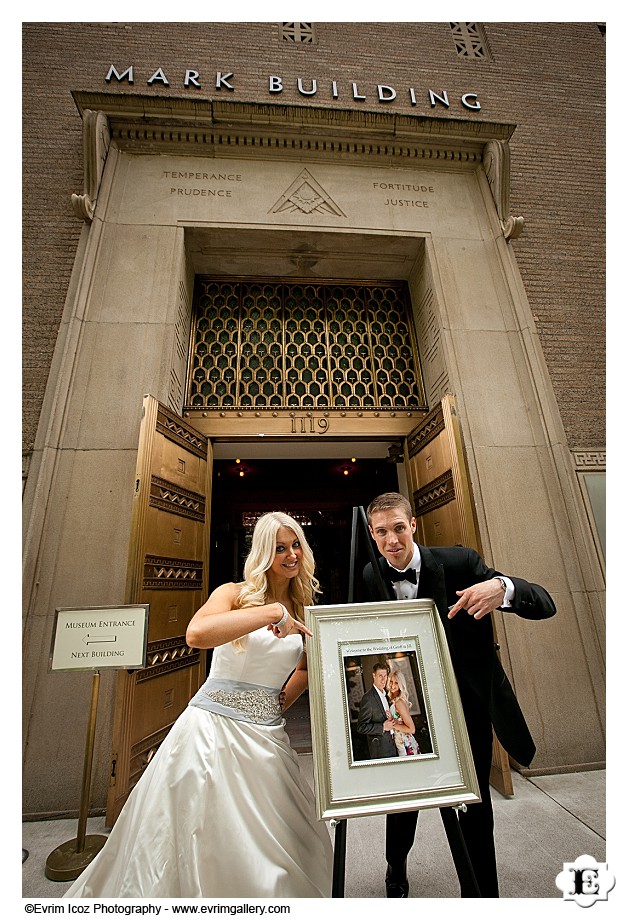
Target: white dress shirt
x: 406, y: 590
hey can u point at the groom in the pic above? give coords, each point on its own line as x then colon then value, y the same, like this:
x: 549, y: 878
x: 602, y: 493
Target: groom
x: 374, y: 716
x: 464, y: 590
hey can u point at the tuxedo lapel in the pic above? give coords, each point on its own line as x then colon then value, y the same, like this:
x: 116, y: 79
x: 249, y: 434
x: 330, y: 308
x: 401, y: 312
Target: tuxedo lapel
x: 432, y: 585
x: 432, y: 580
x: 378, y: 700
x: 384, y: 569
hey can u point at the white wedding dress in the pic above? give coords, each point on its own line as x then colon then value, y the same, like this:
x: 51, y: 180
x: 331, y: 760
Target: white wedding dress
x: 222, y: 809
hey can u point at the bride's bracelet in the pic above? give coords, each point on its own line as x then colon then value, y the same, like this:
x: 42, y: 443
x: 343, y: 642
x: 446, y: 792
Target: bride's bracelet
x: 282, y: 622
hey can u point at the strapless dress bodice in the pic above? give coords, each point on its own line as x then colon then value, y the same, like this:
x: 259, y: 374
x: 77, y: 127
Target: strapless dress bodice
x: 259, y: 658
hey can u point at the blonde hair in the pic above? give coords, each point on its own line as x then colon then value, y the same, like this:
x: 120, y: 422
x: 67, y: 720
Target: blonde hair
x: 403, y: 686
x: 302, y: 589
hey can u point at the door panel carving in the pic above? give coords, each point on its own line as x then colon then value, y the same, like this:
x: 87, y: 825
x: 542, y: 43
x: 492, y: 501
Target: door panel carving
x: 438, y: 479
x: 168, y: 559
x: 441, y: 495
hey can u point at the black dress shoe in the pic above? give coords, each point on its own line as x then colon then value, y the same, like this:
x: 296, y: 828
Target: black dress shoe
x: 397, y: 885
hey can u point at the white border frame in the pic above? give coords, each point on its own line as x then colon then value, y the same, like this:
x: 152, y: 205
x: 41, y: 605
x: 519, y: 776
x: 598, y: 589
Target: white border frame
x: 345, y: 788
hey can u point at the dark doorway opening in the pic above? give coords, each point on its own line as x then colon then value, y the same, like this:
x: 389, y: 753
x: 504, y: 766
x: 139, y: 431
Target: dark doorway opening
x: 321, y: 495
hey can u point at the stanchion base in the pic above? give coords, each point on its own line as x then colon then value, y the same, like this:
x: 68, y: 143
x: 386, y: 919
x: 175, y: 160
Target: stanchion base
x: 64, y: 864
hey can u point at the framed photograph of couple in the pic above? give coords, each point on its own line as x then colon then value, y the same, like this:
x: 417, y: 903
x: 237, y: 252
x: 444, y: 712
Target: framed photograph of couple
x: 388, y: 730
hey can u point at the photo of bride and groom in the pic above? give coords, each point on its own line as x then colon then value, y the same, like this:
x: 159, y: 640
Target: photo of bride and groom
x: 390, y: 716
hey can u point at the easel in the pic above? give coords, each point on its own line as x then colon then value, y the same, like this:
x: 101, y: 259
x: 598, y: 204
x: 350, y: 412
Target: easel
x: 457, y: 845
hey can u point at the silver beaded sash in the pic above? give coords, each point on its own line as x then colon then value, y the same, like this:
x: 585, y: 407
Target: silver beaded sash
x: 238, y: 700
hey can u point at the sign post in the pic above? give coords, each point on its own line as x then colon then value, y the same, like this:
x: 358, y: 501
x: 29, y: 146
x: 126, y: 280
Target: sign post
x: 92, y: 638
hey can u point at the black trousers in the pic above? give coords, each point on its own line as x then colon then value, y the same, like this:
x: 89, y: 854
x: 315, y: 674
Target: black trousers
x: 476, y: 823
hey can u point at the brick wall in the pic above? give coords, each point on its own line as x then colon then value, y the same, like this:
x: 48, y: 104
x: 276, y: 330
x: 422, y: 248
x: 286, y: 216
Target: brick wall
x: 547, y: 78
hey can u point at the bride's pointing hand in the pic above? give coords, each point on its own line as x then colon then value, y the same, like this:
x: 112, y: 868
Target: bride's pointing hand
x: 288, y: 624
x: 291, y: 625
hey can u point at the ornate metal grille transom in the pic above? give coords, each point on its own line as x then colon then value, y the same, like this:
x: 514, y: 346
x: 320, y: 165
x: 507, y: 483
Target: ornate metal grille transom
x: 268, y: 345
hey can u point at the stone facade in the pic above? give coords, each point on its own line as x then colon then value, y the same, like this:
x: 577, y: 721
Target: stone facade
x: 179, y: 180
x: 545, y: 78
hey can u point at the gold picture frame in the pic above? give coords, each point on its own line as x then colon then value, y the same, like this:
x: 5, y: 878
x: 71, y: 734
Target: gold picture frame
x: 352, y: 779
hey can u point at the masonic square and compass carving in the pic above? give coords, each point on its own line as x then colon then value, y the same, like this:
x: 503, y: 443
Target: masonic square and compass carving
x: 308, y: 196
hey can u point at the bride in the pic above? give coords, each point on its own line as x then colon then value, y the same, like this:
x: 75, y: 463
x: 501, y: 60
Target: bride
x: 403, y: 729
x: 222, y: 809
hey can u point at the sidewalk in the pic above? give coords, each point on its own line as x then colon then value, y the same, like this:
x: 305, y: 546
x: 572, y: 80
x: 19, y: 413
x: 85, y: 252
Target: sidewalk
x: 549, y: 820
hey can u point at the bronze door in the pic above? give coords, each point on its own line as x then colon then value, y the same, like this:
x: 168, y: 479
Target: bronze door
x: 167, y: 569
x: 441, y: 494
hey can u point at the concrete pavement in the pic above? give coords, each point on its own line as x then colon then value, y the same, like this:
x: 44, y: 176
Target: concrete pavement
x: 549, y: 820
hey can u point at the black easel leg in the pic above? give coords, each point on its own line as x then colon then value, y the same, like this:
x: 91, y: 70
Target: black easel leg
x: 460, y: 854
x: 340, y: 834
x: 340, y: 849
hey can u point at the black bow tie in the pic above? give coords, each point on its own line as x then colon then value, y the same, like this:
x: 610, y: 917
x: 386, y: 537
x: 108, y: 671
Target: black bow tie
x: 396, y: 575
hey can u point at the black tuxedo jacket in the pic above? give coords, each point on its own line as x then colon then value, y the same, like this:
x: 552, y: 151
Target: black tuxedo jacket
x: 481, y: 679
x: 371, y: 718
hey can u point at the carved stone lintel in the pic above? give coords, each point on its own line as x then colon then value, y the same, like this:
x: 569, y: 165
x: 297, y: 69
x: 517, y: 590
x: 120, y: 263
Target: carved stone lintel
x: 96, y: 142
x: 496, y: 161
x: 589, y: 460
